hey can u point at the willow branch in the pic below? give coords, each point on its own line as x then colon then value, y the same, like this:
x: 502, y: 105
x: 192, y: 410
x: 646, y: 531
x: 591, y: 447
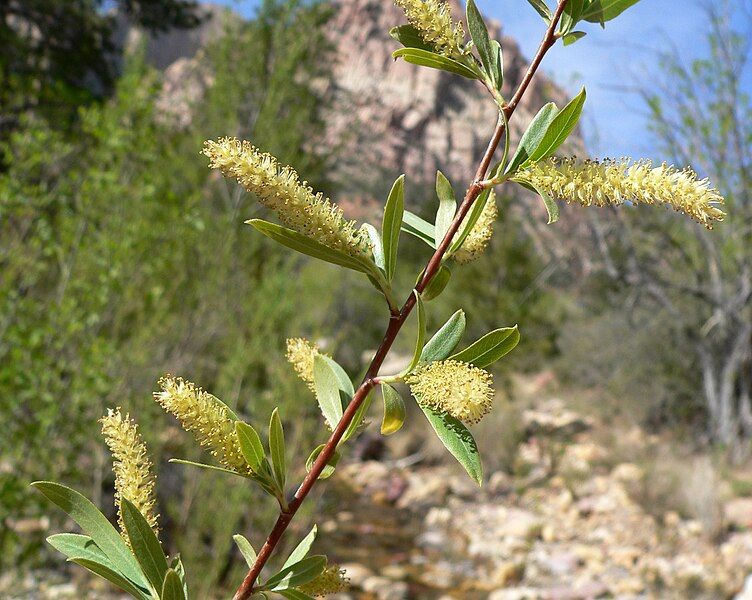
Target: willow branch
x: 397, y: 320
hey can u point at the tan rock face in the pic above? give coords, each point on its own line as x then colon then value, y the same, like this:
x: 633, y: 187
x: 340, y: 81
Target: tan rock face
x: 399, y: 118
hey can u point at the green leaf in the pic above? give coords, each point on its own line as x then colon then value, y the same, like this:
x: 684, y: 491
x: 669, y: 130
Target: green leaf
x: 394, y: 410
x: 96, y: 526
x: 113, y: 577
x: 144, y: 543
x: 470, y: 220
x: 533, y: 136
x: 376, y: 245
x: 277, y: 449
x: 458, y: 440
x: 410, y: 37
x: 572, y: 37
x: 447, y: 206
x: 327, y: 386
x: 73, y: 545
x: 305, y: 245
x: 601, y: 11
x: 250, y: 446
x: 301, y: 549
x: 172, y: 589
x: 551, y: 206
x: 572, y: 13
x: 425, y: 58
x: 246, y: 549
x: 498, y: 64
x: 479, y: 34
x: 423, y: 230
x: 177, y: 565
x: 437, y: 284
x: 298, y: 574
x: 295, y: 595
x: 328, y: 470
x: 343, y: 379
x: 358, y: 417
x: 490, y: 348
x: 445, y: 339
x: 559, y: 129
x: 421, y: 337
x: 191, y: 463
x: 542, y: 9
x: 390, y: 229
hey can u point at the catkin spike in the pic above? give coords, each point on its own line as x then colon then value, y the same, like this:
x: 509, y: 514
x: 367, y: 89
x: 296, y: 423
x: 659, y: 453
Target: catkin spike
x: 454, y: 387
x: 301, y: 354
x: 134, y: 480
x: 331, y: 581
x: 480, y: 235
x: 206, y: 417
x: 613, y: 182
x: 280, y: 189
x: 433, y: 20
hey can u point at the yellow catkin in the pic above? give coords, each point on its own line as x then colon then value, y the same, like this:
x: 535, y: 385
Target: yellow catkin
x: 454, y: 387
x: 134, y: 480
x: 480, y: 235
x: 331, y: 581
x: 301, y: 354
x: 279, y: 188
x: 205, y: 417
x: 613, y: 182
x: 433, y: 20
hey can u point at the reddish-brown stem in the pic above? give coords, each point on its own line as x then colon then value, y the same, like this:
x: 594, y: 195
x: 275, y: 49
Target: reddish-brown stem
x: 396, y: 321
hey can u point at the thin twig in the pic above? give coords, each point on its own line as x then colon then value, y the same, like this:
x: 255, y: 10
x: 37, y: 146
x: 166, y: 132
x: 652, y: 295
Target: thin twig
x: 396, y: 321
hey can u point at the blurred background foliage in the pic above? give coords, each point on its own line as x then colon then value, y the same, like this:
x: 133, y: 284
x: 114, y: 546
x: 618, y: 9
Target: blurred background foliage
x: 123, y: 257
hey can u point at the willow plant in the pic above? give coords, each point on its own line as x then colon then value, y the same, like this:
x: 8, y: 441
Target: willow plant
x: 452, y: 387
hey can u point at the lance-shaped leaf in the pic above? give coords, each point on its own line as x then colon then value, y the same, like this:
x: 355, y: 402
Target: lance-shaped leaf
x: 420, y: 228
x: 172, y: 589
x: 552, y: 208
x: 327, y: 386
x: 458, y: 440
x: 357, y: 421
x: 114, y: 577
x: 437, y: 284
x: 96, y: 526
x: 490, y: 348
x: 470, y: 220
x: 542, y: 9
x: 390, y: 229
x: 533, y: 136
x: 425, y: 58
x: 421, y: 337
x: 305, y: 245
x: 377, y: 246
x: 343, y: 379
x: 570, y: 16
x: 328, y: 469
x: 447, y: 206
x: 445, y: 340
x: 191, y: 463
x: 409, y: 37
x: 277, y: 449
x: 246, y: 549
x: 572, y: 37
x: 251, y: 446
x: 297, y: 574
x: 74, y: 545
x: 145, y: 545
x: 394, y: 410
x: 482, y: 41
x: 559, y: 129
x: 302, y: 549
x: 601, y: 11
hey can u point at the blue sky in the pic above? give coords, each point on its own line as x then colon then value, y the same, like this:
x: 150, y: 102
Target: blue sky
x: 605, y: 61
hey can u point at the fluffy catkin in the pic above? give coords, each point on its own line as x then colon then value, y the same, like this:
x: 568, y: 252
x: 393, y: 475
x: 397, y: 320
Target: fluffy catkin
x: 279, y: 188
x: 132, y: 467
x: 433, y: 20
x: 454, y: 387
x: 301, y: 354
x: 613, y: 182
x: 331, y: 581
x: 206, y: 418
x: 480, y: 235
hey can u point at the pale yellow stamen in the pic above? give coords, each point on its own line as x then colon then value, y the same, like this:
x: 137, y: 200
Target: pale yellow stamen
x: 433, y: 20
x: 331, y: 581
x: 480, y: 235
x: 301, y: 354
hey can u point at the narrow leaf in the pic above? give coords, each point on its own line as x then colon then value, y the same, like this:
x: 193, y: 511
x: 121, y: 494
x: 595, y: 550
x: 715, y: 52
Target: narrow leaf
x: 172, y: 589
x: 542, y: 9
x: 191, y: 463
x: 437, y: 283
x: 470, y: 220
x: 301, y: 549
x: 421, y: 229
x: 343, y: 379
x: 73, y: 545
x: 95, y: 525
x: 113, y: 577
x: 377, y: 246
x: 601, y: 11
x: 145, y: 545
x: 298, y: 574
x: 533, y: 136
x: 458, y: 440
x: 246, y: 549
x: 445, y: 340
x: 498, y: 64
x: 277, y: 449
x: 409, y: 37
x: 326, y: 384
x: 328, y: 470
x: 425, y: 58
x: 421, y: 337
x: 560, y: 128
x: 490, y: 348
x: 572, y: 37
x: 305, y: 245
x: 394, y: 410
x: 357, y: 421
x: 479, y: 34
x: 390, y: 229
x: 250, y: 446
x: 447, y: 205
